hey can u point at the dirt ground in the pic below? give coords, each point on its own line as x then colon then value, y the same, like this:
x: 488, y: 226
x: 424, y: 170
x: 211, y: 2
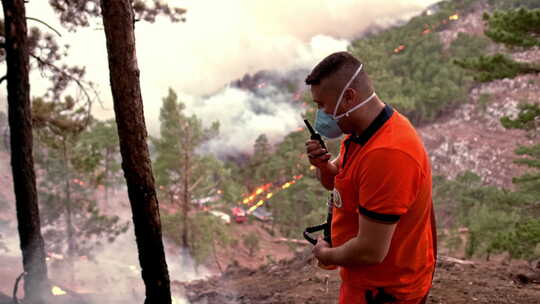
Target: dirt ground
x: 297, y: 280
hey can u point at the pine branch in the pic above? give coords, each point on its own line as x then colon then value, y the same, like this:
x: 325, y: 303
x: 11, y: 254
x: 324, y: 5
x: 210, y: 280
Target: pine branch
x: 79, y: 83
x: 46, y: 24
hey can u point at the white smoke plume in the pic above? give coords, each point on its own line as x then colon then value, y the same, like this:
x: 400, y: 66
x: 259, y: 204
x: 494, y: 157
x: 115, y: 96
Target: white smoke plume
x: 243, y: 116
x: 111, y: 275
x: 223, y: 40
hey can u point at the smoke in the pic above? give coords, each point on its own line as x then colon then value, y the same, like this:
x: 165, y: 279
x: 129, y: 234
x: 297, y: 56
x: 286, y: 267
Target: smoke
x: 223, y: 40
x: 113, y: 272
x: 244, y: 115
x: 111, y: 275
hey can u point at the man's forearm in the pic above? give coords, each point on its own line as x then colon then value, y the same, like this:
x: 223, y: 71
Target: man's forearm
x: 326, y: 175
x: 354, y: 252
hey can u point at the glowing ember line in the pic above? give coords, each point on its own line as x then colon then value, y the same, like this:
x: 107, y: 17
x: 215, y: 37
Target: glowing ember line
x: 258, y: 191
x: 259, y: 203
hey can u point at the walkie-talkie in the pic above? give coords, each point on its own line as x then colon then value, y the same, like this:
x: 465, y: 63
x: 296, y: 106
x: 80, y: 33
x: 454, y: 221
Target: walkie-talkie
x: 315, y: 135
x: 325, y: 227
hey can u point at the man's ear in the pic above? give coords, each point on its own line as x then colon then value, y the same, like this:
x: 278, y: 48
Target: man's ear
x: 350, y: 95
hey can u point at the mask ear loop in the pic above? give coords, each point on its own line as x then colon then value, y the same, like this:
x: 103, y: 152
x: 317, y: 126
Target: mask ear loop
x: 356, y: 107
x: 345, y: 88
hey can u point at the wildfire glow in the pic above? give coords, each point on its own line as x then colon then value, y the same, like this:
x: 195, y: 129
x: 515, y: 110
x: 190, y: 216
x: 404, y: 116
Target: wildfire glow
x: 57, y: 291
x: 55, y: 256
x: 426, y: 31
x: 257, y: 205
x: 270, y: 194
x: 454, y: 17
x: 399, y: 49
x: 78, y: 181
x: 249, y: 199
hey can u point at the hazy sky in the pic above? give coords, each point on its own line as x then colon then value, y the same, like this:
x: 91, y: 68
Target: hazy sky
x: 220, y: 42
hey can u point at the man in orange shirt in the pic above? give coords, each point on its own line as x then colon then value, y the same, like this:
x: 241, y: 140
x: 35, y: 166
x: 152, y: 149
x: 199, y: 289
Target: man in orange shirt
x: 383, y: 232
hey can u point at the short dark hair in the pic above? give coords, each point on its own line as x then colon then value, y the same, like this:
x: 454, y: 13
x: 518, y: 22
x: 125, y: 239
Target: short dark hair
x: 330, y: 65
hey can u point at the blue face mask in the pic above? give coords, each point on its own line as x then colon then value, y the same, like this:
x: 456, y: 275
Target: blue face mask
x: 326, y: 124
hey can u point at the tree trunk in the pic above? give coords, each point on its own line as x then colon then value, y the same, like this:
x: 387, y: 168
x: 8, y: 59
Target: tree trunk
x: 124, y: 77
x: 106, y: 178
x: 22, y: 162
x: 70, y: 230
x: 186, y: 197
x: 216, y: 257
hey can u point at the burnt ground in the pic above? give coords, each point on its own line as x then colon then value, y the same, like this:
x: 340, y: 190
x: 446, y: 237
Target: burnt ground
x: 297, y: 280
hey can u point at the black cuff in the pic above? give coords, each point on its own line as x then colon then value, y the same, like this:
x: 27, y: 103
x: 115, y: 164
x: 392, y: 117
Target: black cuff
x: 388, y: 218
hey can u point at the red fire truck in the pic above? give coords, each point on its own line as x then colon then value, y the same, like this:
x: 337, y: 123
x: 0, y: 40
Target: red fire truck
x: 239, y: 214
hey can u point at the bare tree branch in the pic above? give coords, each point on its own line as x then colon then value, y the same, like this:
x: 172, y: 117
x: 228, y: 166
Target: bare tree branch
x: 79, y: 83
x: 16, y: 287
x: 44, y: 23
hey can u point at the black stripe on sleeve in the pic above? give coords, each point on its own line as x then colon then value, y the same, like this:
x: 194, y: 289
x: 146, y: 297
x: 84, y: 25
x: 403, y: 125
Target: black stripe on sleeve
x: 388, y: 218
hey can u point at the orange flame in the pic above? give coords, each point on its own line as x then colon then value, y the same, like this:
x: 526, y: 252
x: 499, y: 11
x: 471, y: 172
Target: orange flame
x: 252, y: 208
x: 270, y: 194
x: 426, y: 31
x: 399, y: 49
x: 255, y: 193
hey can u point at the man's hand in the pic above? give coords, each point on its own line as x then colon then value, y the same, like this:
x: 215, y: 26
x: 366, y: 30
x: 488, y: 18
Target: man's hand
x: 321, y: 250
x: 318, y: 156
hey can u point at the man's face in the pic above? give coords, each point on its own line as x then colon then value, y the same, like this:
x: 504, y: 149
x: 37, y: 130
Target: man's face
x: 326, y: 99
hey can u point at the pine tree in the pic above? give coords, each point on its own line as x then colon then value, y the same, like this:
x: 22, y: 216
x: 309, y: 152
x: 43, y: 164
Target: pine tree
x: 182, y: 173
x: 98, y: 155
x: 71, y: 214
x: 74, y: 14
x: 519, y: 27
x: 20, y: 121
x: 528, y: 119
x: 499, y: 66
x: 118, y: 21
x: 259, y: 170
x: 514, y: 28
